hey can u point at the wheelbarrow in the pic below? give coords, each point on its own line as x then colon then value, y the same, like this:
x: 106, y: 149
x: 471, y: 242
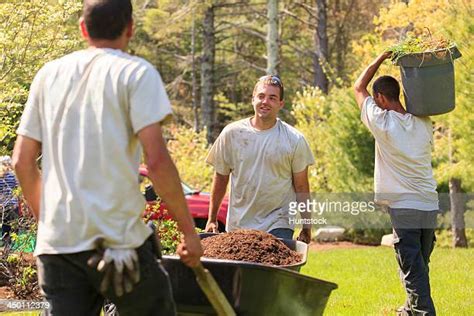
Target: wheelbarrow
x: 251, y: 288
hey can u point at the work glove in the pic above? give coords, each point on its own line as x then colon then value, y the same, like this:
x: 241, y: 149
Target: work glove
x: 120, y: 268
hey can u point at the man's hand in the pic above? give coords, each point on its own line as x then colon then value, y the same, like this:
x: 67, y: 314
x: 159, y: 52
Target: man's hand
x: 219, y: 186
x: 360, y: 86
x: 120, y: 267
x: 305, y: 235
x: 190, y: 250
x: 385, y: 55
x: 212, y: 227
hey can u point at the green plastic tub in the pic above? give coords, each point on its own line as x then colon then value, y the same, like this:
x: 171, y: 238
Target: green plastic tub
x: 428, y: 81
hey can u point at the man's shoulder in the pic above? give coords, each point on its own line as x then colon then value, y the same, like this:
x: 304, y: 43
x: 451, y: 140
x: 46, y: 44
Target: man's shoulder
x: 115, y: 56
x: 291, y: 131
x: 138, y: 61
x: 236, y: 126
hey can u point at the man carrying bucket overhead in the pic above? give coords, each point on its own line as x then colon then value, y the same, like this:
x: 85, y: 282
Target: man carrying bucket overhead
x: 403, y: 181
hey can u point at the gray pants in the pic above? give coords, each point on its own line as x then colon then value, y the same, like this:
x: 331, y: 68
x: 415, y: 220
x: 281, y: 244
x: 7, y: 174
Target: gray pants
x: 414, y: 238
x: 72, y: 287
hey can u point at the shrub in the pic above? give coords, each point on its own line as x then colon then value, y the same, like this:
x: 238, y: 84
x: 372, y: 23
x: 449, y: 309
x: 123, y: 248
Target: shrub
x: 343, y: 148
x: 189, y: 151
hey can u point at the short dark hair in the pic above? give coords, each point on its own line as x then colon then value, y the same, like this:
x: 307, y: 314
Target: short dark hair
x: 388, y: 87
x: 272, y: 80
x: 106, y: 19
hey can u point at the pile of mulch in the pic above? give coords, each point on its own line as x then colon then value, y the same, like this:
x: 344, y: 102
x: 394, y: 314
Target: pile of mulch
x: 250, y: 245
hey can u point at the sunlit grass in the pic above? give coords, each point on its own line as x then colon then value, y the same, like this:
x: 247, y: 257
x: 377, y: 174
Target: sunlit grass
x: 369, y: 284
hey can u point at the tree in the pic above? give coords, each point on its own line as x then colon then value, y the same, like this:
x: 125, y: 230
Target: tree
x: 207, y: 74
x: 273, y: 58
x: 320, y: 58
x: 32, y: 33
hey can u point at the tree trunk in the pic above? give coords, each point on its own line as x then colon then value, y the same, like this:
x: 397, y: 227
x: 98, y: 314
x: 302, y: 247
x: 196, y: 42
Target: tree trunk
x: 193, y: 79
x: 272, y: 38
x: 339, y: 46
x: 321, y: 48
x: 207, y: 74
x: 457, y: 213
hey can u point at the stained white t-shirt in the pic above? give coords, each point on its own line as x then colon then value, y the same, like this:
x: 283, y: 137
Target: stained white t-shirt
x: 403, y: 175
x: 261, y: 165
x: 86, y: 109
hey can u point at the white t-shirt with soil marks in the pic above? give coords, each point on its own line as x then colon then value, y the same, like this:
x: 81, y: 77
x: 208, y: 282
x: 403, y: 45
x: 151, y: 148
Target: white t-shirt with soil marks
x: 261, y: 165
x: 86, y: 109
x: 403, y: 176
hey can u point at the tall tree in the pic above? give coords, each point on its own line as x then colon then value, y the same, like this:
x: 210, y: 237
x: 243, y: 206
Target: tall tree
x: 457, y: 204
x: 207, y: 73
x: 273, y: 56
x: 320, y: 58
x: 193, y: 77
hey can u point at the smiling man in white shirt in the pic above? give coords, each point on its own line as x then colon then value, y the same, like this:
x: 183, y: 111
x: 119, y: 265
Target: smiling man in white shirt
x: 267, y: 161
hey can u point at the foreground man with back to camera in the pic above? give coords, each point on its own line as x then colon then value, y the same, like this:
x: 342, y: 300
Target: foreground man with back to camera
x: 90, y: 113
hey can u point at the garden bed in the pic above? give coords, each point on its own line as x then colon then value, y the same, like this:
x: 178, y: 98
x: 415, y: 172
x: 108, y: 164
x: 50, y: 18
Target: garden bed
x: 18, y: 277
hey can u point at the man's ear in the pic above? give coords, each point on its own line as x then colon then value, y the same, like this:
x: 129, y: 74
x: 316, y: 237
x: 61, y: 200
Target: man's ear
x: 383, y: 99
x: 83, y: 28
x: 129, y: 30
x: 282, y: 103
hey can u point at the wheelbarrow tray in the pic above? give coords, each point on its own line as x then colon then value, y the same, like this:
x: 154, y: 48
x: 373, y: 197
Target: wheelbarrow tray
x: 300, y: 247
x: 251, y: 289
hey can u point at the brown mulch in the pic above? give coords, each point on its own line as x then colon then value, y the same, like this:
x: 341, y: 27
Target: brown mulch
x: 250, y: 245
x: 6, y: 292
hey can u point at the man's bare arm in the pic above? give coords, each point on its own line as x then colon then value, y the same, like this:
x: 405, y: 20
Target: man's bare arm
x: 24, y: 162
x: 219, y: 187
x: 360, y: 86
x: 165, y: 178
x: 301, y: 184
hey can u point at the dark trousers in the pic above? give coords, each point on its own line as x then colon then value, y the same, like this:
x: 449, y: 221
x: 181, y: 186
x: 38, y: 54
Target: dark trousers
x: 72, y: 287
x: 285, y: 233
x: 414, y: 237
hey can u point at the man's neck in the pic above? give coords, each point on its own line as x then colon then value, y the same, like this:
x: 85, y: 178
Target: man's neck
x: 114, y: 44
x: 260, y: 124
x: 397, y: 107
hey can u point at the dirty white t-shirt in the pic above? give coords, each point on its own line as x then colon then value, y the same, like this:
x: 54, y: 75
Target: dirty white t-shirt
x: 86, y: 109
x: 261, y: 165
x: 403, y: 176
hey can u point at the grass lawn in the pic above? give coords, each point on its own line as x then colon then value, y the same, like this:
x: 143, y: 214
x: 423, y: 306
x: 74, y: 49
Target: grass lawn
x: 369, y: 284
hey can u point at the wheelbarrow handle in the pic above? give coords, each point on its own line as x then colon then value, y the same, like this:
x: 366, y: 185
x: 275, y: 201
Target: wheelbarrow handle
x: 203, y: 277
x: 213, y: 292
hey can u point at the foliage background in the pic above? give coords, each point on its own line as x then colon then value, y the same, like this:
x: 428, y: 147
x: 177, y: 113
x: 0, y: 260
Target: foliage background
x: 36, y: 31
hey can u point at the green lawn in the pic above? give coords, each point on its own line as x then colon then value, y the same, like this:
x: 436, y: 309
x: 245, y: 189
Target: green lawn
x: 369, y: 284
